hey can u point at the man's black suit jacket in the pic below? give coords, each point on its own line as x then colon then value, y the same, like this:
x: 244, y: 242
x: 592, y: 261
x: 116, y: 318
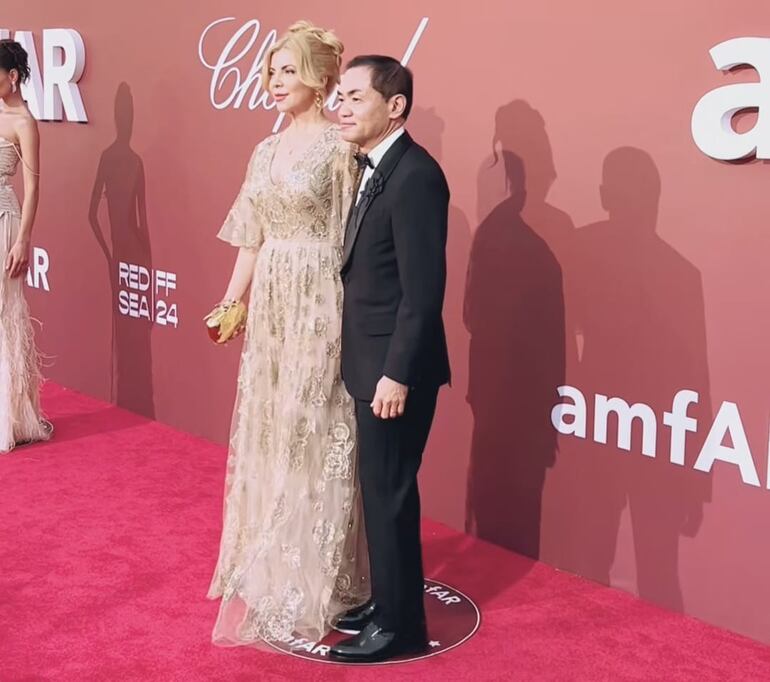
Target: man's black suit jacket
x: 394, y: 275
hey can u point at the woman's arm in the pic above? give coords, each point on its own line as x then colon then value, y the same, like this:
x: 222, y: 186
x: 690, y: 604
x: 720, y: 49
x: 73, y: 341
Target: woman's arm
x: 242, y: 274
x: 29, y: 142
x: 242, y: 229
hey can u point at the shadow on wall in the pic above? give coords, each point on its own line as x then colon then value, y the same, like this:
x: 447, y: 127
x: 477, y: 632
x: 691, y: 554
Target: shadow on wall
x: 638, y: 310
x: 446, y: 456
x: 515, y: 313
x: 611, y: 309
x: 120, y: 180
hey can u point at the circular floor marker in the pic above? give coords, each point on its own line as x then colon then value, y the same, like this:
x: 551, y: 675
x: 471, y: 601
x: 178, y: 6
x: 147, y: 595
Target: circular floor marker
x: 453, y: 619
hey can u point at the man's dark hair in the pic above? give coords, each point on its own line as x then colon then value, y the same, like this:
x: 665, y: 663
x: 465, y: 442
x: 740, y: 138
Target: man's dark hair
x: 389, y: 78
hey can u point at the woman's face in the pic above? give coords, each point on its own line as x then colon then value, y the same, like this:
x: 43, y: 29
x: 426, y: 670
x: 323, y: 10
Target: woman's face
x: 289, y: 92
x: 7, y: 78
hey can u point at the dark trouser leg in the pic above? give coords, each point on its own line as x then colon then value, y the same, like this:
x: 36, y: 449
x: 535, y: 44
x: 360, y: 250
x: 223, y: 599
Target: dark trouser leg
x: 390, y: 453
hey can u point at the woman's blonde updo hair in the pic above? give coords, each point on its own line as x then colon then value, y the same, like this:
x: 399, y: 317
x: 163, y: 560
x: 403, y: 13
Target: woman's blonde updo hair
x: 318, y: 53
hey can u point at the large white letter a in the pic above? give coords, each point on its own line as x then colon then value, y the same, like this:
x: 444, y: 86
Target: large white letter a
x: 728, y: 420
x: 712, y: 128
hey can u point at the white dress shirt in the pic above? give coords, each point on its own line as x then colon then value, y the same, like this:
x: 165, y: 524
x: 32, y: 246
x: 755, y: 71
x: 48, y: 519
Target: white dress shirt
x: 376, y: 156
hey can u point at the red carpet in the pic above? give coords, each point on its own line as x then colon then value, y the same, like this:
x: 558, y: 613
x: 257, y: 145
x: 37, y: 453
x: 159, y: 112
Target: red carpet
x: 108, y: 536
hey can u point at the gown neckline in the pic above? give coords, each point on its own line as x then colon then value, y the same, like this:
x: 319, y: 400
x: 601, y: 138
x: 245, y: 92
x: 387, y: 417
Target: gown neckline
x: 300, y: 158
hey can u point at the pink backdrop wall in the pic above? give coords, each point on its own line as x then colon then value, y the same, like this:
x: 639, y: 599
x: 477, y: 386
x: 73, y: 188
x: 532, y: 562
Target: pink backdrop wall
x: 664, y: 295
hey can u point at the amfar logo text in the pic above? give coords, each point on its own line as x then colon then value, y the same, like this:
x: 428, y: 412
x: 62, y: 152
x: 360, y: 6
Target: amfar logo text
x: 230, y: 85
x: 52, y: 92
x: 712, y: 118
x: 37, y: 273
x: 570, y: 419
x: 144, y: 294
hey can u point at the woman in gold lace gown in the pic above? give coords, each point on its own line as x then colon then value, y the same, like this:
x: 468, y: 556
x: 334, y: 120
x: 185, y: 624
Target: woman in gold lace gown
x: 291, y: 556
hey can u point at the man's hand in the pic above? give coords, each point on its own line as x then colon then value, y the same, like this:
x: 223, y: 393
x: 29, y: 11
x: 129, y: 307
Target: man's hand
x: 389, y: 399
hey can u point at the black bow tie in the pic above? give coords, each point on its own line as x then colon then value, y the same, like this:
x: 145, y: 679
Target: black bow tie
x: 363, y: 160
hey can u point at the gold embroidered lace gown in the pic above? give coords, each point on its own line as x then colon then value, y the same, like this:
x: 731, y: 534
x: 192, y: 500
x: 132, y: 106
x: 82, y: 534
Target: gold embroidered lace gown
x: 20, y: 418
x: 292, y: 554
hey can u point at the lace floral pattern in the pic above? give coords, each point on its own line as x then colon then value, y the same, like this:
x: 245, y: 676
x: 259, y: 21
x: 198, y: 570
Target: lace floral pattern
x: 292, y: 554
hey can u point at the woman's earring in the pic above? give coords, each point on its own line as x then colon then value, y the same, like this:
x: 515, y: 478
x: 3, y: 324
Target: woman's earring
x: 13, y: 87
x: 319, y: 99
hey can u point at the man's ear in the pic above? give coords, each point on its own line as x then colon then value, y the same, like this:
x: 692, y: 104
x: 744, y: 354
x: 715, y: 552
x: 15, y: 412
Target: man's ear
x: 397, y: 106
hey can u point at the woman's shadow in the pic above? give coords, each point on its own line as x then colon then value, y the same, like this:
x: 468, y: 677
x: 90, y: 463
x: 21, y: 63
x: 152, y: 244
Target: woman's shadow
x: 120, y: 180
x: 515, y: 313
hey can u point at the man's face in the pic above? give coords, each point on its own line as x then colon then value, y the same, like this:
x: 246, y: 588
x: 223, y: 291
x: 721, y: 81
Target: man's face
x: 364, y: 113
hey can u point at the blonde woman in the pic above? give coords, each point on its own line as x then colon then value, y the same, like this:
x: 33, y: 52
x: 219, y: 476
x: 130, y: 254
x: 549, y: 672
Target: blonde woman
x: 291, y: 556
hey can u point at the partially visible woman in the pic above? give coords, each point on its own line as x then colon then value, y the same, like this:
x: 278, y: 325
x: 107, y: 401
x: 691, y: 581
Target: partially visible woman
x: 292, y: 555
x: 20, y: 417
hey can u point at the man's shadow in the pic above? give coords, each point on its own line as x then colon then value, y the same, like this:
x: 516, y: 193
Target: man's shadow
x: 449, y: 434
x: 515, y: 313
x: 120, y: 180
x: 638, y: 309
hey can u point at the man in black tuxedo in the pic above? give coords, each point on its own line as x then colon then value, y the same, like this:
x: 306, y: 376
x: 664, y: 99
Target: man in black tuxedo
x: 394, y: 353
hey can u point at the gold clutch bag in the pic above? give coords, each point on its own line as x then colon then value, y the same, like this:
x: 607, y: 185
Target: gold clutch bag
x: 226, y: 321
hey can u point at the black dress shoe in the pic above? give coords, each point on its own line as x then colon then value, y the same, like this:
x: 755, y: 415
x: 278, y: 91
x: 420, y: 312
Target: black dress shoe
x: 356, y: 619
x: 374, y: 644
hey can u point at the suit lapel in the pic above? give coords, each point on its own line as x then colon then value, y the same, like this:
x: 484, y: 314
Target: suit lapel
x: 380, y: 176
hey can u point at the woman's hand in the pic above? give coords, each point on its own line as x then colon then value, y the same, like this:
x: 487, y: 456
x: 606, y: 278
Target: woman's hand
x: 18, y: 259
